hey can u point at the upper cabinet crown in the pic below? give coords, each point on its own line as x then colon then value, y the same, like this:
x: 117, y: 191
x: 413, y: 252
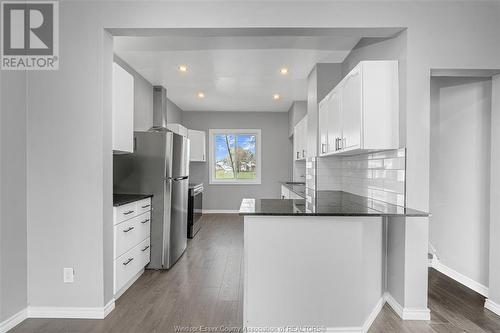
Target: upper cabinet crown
x: 123, y: 110
x: 361, y: 113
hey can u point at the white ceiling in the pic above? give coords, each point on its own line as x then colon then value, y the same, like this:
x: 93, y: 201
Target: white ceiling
x: 236, y: 69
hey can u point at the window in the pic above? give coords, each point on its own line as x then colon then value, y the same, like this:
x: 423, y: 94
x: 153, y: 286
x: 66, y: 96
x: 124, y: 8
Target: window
x: 235, y: 156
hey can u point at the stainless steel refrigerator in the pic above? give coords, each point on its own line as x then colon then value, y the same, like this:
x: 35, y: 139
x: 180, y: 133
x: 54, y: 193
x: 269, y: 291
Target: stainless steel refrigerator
x: 159, y: 166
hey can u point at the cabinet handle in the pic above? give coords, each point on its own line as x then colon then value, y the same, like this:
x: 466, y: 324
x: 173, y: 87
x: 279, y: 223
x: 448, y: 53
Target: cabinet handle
x: 128, y: 261
x: 127, y: 230
x: 323, y: 148
x: 146, y: 206
x: 144, y: 249
x: 336, y: 144
x: 145, y: 221
x: 129, y: 212
x: 303, y: 153
x: 298, y: 154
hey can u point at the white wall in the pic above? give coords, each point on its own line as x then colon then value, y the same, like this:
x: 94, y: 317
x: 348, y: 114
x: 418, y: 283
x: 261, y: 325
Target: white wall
x: 494, y: 272
x: 13, y: 253
x: 65, y: 122
x: 460, y: 174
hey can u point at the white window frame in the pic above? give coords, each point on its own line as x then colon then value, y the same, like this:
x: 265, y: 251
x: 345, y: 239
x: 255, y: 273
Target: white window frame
x: 211, y: 158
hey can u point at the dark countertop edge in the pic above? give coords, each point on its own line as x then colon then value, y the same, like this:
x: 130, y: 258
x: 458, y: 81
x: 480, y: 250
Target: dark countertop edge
x: 127, y: 198
x: 336, y: 214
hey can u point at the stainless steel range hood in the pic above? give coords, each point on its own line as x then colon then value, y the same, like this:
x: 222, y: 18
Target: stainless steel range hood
x: 159, y: 107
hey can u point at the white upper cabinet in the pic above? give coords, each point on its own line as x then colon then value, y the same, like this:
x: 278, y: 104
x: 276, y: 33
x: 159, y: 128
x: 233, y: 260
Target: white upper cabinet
x: 300, y: 140
x: 197, y: 150
x: 362, y: 111
x: 123, y: 110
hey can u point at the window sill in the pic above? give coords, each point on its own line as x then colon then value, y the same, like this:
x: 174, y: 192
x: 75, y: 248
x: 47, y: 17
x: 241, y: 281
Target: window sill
x: 212, y: 182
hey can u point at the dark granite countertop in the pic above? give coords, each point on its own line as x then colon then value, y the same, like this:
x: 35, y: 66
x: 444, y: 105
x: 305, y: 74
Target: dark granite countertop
x: 299, y: 189
x: 122, y: 199
x: 327, y: 203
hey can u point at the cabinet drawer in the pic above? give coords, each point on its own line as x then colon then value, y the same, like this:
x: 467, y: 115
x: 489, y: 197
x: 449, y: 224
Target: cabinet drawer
x: 124, y: 212
x: 145, y: 252
x: 131, y: 263
x: 131, y: 232
x: 143, y: 206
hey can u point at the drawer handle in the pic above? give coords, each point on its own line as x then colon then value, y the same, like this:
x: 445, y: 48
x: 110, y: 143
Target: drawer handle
x: 129, y: 212
x: 128, y: 261
x: 129, y: 228
x: 145, y: 221
x: 144, y: 249
x: 146, y: 206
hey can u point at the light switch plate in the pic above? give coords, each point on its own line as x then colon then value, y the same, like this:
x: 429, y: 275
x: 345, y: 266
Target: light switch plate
x: 68, y: 275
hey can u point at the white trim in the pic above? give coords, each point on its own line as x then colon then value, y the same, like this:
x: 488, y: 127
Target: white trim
x: 373, y: 315
x: 127, y: 285
x: 13, y: 321
x: 407, y: 313
x: 71, y: 312
x: 354, y: 329
x: 492, y: 306
x: 258, y: 157
x: 460, y: 278
x: 220, y: 211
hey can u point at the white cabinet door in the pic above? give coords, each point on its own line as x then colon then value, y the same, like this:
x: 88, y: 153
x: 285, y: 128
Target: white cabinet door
x: 303, y: 151
x: 197, y: 150
x: 323, y: 110
x: 297, y: 139
x: 351, y: 110
x: 334, y: 124
x: 123, y: 110
x: 300, y: 140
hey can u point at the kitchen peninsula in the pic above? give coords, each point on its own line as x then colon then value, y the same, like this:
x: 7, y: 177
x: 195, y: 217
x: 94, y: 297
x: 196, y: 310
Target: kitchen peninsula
x: 332, y: 262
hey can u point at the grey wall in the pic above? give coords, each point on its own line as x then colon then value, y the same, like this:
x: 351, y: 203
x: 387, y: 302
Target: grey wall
x: 460, y: 174
x: 13, y: 220
x: 174, y: 113
x: 297, y: 111
x: 143, y: 98
x: 384, y: 49
x: 275, y: 159
x: 65, y: 122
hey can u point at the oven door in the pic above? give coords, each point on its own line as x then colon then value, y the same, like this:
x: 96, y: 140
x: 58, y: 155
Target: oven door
x: 197, y: 199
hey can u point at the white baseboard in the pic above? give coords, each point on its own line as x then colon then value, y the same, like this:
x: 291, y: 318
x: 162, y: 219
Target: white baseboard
x: 460, y: 278
x: 407, y: 313
x: 71, y: 312
x: 128, y: 284
x: 13, y: 321
x: 373, y: 315
x: 492, y: 306
x: 220, y: 211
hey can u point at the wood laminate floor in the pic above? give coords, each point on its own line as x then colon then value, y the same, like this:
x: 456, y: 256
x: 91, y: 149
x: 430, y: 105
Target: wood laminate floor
x: 205, y: 289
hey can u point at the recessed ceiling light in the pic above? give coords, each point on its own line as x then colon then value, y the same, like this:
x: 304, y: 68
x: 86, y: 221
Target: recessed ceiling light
x: 276, y: 97
x: 201, y: 94
x: 183, y: 68
x: 284, y: 71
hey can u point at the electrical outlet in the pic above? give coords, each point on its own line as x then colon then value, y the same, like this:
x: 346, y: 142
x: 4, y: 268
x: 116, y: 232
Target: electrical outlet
x: 68, y: 275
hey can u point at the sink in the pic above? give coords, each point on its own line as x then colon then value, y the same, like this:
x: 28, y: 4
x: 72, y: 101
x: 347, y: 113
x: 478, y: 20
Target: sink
x: 295, y: 183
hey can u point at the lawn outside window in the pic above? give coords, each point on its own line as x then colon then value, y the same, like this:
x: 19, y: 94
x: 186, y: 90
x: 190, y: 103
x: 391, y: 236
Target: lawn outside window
x: 235, y: 156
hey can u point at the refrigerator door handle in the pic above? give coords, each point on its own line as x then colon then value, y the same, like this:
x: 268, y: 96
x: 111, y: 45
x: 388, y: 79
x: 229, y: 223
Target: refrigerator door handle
x: 178, y: 178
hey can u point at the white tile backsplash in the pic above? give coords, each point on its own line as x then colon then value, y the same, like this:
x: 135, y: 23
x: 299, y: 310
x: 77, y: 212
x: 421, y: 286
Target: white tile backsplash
x: 379, y: 176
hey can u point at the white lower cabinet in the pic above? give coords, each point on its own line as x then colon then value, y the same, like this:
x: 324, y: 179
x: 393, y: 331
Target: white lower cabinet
x: 132, y: 230
x: 130, y: 263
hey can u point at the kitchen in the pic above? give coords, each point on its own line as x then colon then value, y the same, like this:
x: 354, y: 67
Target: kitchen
x: 387, y: 183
